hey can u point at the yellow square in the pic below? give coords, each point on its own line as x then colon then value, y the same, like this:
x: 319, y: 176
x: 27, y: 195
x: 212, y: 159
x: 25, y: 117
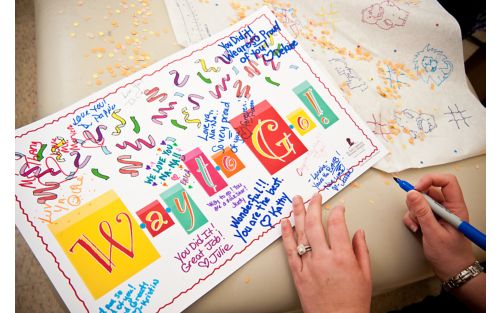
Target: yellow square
x: 301, y: 121
x: 104, y: 243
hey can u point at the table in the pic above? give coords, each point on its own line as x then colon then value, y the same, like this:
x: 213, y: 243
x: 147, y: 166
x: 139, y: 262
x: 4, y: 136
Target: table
x: 373, y: 202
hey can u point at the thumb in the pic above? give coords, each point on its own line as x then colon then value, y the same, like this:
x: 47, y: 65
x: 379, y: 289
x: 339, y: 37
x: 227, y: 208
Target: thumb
x: 419, y: 207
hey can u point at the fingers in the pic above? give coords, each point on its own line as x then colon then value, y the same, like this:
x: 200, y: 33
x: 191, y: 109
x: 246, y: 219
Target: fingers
x: 362, y: 255
x: 314, y: 226
x: 294, y: 260
x: 419, y: 207
x: 436, y: 194
x: 299, y: 214
x: 449, y: 186
x: 410, y: 222
x: 338, y: 234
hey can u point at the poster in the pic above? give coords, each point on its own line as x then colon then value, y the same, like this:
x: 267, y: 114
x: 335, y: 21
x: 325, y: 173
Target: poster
x: 145, y: 195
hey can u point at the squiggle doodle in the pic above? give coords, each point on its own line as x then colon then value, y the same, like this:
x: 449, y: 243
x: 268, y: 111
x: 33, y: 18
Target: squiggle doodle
x: 178, y: 94
x: 39, y: 154
x: 190, y: 98
x: 385, y: 15
x: 164, y: 114
x: 176, y: 78
x: 252, y: 70
x: 432, y: 65
x: 204, y: 79
x: 130, y: 169
x: 204, y: 66
x: 138, y: 143
x: 153, y: 95
x: 57, y: 147
x: 217, y: 94
x: 240, y: 91
x: 95, y: 171
x: 269, y: 80
x: 119, y: 119
x: 228, y: 61
x: 188, y: 120
x: 236, y: 71
x: 176, y: 124
x: 274, y: 66
x: 137, y: 127
x: 76, y: 162
x: 44, y: 194
x: 99, y: 142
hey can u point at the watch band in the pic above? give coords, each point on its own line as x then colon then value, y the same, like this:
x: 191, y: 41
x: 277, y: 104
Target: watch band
x: 463, y: 277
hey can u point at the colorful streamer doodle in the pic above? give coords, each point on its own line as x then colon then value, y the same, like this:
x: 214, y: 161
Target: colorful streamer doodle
x: 272, y: 82
x: 217, y: 94
x: 164, y: 114
x: 76, y: 162
x: 138, y: 144
x: 137, y: 127
x: 44, y: 193
x: 153, y: 95
x: 204, y: 66
x: 176, y: 78
x: 235, y: 69
x: 176, y: 124
x: 295, y: 67
x: 131, y: 168
x: 196, y: 103
x: 252, y: 70
x: 95, y: 171
x: 228, y: 61
x: 119, y: 119
x: 241, y: 91
x: 188, y: 120
x: 178, y: 94
x: 204, y: 79
x: 39, y: 154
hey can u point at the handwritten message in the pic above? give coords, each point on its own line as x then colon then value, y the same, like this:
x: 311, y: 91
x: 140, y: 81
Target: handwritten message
x: 204, y: 250
x: 259, y: 211
x: 134, y: 298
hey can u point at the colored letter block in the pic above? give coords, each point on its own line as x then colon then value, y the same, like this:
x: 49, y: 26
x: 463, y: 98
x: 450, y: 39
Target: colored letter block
x: 155, y: 218
x: 316, y: 105
x: 228, y: 162
x: 204, y: 172
x: 185, y: 210
x: 301, y: 121
x: 269, y: 137
x: 104, y: 243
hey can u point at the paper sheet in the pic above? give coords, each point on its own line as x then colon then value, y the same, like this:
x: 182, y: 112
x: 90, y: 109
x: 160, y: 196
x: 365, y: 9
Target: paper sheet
x: 148, y: 193
x: 398, y: 63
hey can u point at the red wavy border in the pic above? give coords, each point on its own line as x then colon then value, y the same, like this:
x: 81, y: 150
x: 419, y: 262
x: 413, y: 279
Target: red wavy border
x: 151, y: 74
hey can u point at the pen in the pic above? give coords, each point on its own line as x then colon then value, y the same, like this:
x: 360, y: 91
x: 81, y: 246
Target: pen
x: 467, y: 229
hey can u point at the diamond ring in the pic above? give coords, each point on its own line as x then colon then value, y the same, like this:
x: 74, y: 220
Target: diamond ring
x: 303, y: 249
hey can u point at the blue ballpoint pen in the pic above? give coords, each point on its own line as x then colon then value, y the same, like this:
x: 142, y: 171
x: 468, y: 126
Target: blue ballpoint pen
x: 467, y: 229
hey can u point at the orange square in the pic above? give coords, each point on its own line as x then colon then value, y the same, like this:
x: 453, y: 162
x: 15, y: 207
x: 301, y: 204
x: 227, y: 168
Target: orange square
x: 228, y: 162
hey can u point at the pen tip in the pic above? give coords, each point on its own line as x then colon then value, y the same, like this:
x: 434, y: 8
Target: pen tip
x: 395, y: 179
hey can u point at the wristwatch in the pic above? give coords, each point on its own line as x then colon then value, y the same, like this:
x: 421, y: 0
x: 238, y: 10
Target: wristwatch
x: 463, y: 277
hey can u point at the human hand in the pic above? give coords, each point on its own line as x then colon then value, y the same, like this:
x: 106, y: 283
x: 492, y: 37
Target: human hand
x: 447, y: 249
x: 335, y: 276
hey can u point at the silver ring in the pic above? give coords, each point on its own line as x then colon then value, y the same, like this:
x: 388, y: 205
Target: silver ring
x: 303, y: 249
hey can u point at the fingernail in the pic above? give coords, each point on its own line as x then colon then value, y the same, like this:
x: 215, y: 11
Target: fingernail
x: 413, y: 195
x: 362, y: 233
x: 414, y: 228
x: 296, y: 199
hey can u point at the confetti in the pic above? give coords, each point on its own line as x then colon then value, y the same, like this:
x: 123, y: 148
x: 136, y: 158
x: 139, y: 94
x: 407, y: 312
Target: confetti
x: 179, y: 94
x: 248, y: 280
x: 295, y: 67
x: 236, y: 71
x: 371, y: 202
